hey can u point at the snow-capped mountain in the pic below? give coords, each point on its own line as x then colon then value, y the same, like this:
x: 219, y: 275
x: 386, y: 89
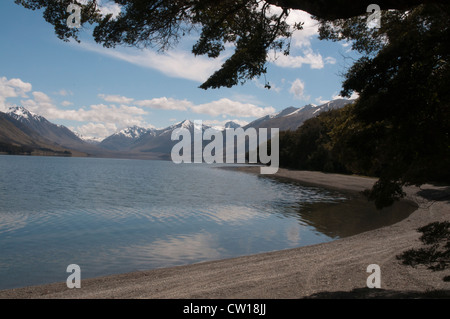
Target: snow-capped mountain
x: 125, y: 138
x: 57, y: 134
x: 161, y: 140
x: 140, y: 140
x: 136, y: 139
x: 287, y: 111
x: 88, y: 139
x: 231, y: 124
x: 134, y: 132
x: 22, y: 115
x: 19, y: 135
x: 291, y: 118
x: 53, y: 132
x: 183, y: 124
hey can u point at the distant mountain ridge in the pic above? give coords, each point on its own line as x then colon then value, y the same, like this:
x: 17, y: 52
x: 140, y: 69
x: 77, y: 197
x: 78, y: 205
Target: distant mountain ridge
x: 136, y: 141
x: 17, y: 136
x: 291, y: 118
x: 56, y: 133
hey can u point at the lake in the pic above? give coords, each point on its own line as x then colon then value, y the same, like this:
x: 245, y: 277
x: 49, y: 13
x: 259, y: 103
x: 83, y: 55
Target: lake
x: 112, y: 216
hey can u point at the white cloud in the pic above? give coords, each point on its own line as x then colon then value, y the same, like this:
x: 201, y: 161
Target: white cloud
x: 298, y: 90
x: 232, y: 108
x: 63, y: 92
x: 41, y: 98
x: 116, y: 99
x: 314, y: 59
x: 330, y: 60
x: 215, y: 108
x: 354, y: 96
x: 336, y: 96
x: 301, y: 47
x: 162, y: 103
x: 66, y: 103
x: 92, y: 130
x: 120, y: 111
x: 12, y: 88
x: 174, y: 63
x: 165, y: 103
x: 20, y: 86
x: 109, y: 7
x: 122, y: 115
x: 320, y: 100
x: 302, y: 38
x: 247, y: 98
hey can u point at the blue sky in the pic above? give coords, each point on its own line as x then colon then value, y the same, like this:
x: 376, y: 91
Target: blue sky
x: 97, y: 91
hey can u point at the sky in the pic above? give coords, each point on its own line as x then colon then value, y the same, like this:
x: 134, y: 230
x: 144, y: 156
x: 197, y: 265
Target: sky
x: 97, y: 91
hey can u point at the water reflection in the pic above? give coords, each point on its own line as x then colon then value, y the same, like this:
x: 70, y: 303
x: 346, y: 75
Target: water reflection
x: 115, y: 216
x: 353, y: 216
x: 336, y: 214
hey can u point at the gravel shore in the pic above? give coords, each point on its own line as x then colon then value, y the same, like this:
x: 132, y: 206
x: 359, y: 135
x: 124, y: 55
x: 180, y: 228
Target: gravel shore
x: 335, y: 269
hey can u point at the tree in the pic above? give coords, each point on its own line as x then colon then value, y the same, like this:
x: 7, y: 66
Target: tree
x: 399, y: 126
x: 310, y: 147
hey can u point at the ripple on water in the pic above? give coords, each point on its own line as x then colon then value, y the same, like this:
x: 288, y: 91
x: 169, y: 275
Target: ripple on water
x: 114, y: 216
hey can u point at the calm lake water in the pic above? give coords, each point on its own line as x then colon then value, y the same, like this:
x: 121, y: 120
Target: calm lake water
x: 113, y: 216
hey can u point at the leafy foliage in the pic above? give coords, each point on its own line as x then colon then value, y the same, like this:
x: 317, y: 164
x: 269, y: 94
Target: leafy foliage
x: 399, y: 126
x: 310, y: 146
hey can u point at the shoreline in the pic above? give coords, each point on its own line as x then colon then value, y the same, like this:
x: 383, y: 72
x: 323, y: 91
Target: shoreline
x: 335, y: 269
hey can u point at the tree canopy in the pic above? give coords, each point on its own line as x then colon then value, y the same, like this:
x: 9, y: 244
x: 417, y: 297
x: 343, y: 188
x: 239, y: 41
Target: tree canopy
x: 400, y: 124
x: 253, y: 27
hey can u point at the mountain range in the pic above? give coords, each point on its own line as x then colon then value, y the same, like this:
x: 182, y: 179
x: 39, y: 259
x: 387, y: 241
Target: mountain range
x: 23, y: 132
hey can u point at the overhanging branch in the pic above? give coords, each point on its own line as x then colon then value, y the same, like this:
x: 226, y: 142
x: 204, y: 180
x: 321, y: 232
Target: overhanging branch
x: 343, y: 9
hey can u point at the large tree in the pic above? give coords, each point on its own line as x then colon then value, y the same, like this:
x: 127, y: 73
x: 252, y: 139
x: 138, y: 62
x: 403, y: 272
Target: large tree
x: 399, y: 128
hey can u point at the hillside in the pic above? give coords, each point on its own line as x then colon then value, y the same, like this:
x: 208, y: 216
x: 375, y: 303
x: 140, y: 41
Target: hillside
x: 18, y: 138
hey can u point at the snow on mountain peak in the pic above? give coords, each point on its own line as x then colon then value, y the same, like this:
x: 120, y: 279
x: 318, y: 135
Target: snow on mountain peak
x: 232, y: 124
x: 186, y: 124
x: 295, y: 112
x: 21, y: 113
x: 133, y: 132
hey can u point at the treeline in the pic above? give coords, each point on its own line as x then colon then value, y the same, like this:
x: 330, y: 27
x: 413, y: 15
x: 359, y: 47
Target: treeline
x: 398, y: 154
x: 15, y: 150
x: 311, y: 146
x: 11, y: 149
x: 330, y: 142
